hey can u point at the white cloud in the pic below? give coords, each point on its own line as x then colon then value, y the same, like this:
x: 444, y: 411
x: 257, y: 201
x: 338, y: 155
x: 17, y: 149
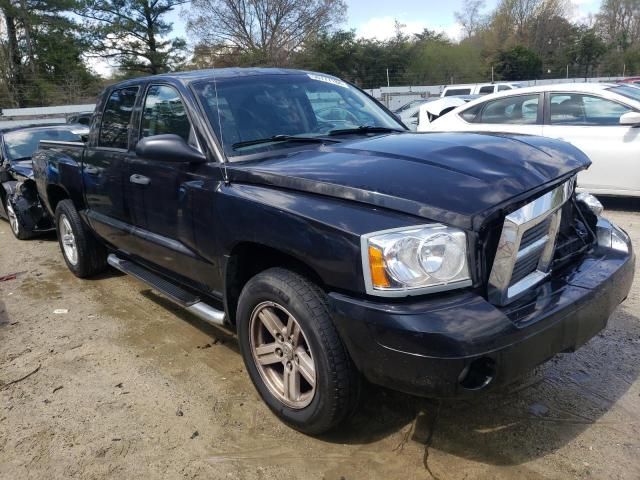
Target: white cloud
x: 383, y: 28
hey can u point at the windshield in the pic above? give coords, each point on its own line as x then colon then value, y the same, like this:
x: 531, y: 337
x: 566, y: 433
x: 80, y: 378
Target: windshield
x: 627, y: 91
x: 21, y: 144
x: 245, y: 109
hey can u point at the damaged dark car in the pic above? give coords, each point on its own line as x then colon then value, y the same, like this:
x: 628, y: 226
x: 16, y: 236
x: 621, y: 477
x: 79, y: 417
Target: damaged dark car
x: 19, y: 202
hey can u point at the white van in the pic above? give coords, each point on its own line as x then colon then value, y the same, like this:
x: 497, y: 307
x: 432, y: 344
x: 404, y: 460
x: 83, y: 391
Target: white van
x: 477, y: 89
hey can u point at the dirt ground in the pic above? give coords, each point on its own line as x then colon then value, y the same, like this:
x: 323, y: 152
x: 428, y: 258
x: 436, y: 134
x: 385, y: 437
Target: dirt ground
x: 121, y: 384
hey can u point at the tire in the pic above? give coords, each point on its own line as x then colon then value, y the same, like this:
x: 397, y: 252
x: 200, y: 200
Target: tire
x: 336, y: 388
x: 16, y: 227
x: 90, y: 255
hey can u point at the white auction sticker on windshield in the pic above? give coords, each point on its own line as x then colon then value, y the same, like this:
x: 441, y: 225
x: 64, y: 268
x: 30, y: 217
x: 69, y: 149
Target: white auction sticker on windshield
x: 332, y: 81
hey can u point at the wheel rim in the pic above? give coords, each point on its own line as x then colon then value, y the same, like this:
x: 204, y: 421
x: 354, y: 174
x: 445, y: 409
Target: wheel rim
x: 282, y: 355
x: 13, y: 218
x: 68, y: 240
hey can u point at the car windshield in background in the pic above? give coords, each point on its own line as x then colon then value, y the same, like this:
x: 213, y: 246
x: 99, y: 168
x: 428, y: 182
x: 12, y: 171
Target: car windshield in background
x: 627, y: 91
x: 273, y: 107
x: 21, y: 144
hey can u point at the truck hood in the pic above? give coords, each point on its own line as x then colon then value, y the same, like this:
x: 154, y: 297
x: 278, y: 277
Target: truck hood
x: 455, y: 178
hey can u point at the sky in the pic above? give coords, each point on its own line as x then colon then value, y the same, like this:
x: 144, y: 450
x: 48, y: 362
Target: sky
x: 375, y: 18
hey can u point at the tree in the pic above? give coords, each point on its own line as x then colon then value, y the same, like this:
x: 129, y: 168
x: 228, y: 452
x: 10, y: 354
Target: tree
x: 518, y: 63
x: 268, y: 31
x: 470, y: 17
x: 587, y: 50
x: 133, y: 34
x: 42, y: 52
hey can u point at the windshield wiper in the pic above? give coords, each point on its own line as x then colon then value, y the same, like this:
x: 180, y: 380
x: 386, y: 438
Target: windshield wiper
x: 282, y: 138
x: 365, y: 129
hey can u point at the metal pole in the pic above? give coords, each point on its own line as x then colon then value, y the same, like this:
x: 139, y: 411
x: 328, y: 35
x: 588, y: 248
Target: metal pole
x: 567, y: 70
x: 491, y: 73
x: 388, y: 85
x: 624, y: 69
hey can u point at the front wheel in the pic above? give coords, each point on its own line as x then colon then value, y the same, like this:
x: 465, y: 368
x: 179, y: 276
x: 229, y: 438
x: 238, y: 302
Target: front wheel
x: 293, y: 352
x: 82, y: 252
x: 14, y: 222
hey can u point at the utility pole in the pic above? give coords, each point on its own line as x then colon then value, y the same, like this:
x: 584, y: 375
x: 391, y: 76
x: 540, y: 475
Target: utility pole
x: 567, y: 70
x: 388, y: 84
x: 491, y: 73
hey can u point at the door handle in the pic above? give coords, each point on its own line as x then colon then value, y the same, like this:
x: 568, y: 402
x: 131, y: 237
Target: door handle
x: 91, y: 170
x: 139, y: 179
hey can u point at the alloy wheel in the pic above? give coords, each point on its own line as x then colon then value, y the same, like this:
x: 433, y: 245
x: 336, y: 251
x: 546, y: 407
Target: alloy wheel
x: 68, y: 240
x: 13, y: 218
x: 282, y: 355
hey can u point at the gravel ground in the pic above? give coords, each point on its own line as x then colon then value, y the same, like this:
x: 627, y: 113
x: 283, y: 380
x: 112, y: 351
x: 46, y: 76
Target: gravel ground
x: 104, y: 379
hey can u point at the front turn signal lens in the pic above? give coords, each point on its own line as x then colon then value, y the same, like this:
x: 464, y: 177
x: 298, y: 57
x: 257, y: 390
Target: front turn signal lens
x: 376, y: 265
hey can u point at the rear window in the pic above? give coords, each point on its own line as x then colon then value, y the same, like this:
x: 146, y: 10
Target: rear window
x: 451, y: 92
x: 486, y: 89
x: 114, y: 131
x: 21, y: 144
x: 502, y: 88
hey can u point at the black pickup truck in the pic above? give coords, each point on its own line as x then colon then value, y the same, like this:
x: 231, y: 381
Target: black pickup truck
x: 297, y: 210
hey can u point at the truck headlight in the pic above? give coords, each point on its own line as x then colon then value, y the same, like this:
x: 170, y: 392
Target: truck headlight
x: 415, y: 260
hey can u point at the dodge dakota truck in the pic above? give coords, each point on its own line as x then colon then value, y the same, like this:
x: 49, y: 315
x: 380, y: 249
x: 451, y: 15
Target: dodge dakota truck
x: 298, y: 211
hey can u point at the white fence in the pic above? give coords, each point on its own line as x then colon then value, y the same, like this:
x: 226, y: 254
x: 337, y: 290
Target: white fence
x: 15, y: 117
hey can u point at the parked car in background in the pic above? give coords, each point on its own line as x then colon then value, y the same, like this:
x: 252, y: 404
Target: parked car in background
x: 409, y: 112
x: 428, y: 113
x: 631, y: 81
x: 477, y: 89
x: 601, y: 119
x: 19, y: 202
x: 293, y: 208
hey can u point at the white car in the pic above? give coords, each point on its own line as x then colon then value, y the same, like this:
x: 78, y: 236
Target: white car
x: 477, y: 89
x: 602, y: 119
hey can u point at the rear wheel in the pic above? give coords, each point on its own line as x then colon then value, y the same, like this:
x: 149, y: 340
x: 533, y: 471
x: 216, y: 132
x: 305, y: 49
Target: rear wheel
x: 293, y: 352
x: 82, y: 252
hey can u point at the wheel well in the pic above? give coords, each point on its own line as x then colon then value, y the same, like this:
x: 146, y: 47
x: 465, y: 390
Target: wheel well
x: 247, y: 260
x: 55, y: 195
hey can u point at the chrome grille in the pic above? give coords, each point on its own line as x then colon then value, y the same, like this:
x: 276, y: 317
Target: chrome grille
x: 526, y: 245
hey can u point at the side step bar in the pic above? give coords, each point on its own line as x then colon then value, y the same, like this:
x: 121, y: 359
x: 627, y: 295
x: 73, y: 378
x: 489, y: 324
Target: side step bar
x: 178, y: 295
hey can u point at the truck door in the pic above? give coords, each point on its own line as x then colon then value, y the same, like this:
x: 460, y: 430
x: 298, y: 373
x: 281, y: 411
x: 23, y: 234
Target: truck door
x: 104, y: 168
x: 157, y: 191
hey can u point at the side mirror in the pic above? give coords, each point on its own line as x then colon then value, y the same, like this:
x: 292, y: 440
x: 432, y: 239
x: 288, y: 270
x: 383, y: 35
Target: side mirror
x: 168, y: 148
x: 631, y: 119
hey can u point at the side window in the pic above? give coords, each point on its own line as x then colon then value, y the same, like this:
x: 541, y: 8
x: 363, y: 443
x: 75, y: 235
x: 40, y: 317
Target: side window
x: 164, y: 113
x: 578, y: 109
x: 457, y: 91
x: 471, y: 113
x: 502, y: 88
x: 114, y: 130
x: 517, y: 110
x: 486, y: 89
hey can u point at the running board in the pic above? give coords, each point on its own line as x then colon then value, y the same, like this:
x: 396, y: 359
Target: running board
x: 176, y: 294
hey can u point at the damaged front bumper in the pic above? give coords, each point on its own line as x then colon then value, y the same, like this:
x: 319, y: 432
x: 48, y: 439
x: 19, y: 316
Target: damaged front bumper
x: 453, y: 344
x: 27, y: 207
